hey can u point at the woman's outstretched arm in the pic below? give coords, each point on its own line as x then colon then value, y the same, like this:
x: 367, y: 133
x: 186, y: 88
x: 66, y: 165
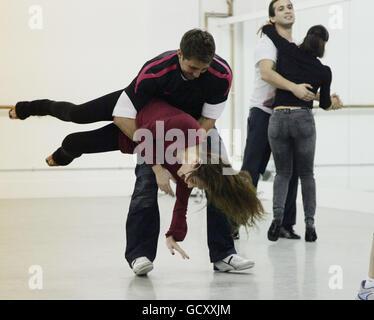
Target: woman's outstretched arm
x: 178, y: 225
x: 281, y: 43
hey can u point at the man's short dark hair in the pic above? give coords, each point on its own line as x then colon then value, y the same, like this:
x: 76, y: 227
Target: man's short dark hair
x: 199, y: 45
x: 271, y: 8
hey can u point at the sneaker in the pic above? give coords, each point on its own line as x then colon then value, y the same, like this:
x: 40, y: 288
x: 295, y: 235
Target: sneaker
x: 310, y: 234
x: 233, y: 262
x: 365, y: 293
x: 274, y: 231
x: 288, y: 233
x: 141, y: 266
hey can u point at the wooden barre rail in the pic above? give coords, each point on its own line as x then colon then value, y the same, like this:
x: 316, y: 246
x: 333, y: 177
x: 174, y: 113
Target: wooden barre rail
x: 355, y: 107
x: 345, y: 107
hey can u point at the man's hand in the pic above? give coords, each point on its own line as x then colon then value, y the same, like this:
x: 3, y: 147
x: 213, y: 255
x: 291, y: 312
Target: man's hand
x: 301, y: 91
x: 317, y: 97
x: 336, y: 103
x: 172, y: 245
x: 260, y: 30
x: 163, y: 177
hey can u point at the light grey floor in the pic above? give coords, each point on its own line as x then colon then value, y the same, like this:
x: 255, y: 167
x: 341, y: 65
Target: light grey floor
x: 79, y: 243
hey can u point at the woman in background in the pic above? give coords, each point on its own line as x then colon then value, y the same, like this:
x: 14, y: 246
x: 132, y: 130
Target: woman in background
x: 292, y: 131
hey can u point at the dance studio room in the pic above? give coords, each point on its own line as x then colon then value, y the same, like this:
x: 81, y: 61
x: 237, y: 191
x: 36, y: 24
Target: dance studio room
x: 186, y: 150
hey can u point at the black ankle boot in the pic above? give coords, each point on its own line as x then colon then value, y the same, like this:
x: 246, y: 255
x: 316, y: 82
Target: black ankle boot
x: 310, y: 234
x: 288, y: 233
x: 274, y: 231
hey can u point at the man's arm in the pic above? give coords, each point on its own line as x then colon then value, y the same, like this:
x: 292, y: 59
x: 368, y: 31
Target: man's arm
x: 126, y: 125
x: 276, y: 80
x: 317, y: 97
x: 206, y: 123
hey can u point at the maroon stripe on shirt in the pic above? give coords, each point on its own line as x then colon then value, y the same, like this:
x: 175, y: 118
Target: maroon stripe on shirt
x: 142, y: 76
x: 218, y: 74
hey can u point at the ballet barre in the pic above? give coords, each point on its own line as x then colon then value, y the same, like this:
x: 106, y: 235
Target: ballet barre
x: 356, y: 107
x: 315, y: 107
x: 352, y: 107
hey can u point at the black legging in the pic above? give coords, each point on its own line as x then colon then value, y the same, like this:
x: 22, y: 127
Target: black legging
x: 74, y: 145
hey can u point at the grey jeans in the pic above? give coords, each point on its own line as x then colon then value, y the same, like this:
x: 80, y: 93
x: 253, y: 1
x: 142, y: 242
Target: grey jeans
x: 292, y: 133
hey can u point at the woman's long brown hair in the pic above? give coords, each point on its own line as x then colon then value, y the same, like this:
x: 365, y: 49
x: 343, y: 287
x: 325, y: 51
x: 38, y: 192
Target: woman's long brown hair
x: 230, y: 191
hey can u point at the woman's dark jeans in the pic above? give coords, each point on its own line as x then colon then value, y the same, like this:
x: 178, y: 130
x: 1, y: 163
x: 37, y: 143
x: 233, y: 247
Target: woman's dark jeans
x: 292, y: 133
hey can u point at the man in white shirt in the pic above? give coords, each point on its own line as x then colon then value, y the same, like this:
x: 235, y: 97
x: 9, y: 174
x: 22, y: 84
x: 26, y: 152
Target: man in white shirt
x: 267, y: 80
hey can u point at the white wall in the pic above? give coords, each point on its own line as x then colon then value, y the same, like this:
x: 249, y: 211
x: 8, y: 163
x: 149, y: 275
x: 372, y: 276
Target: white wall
x: 341, y: 135
x: 85, y: 49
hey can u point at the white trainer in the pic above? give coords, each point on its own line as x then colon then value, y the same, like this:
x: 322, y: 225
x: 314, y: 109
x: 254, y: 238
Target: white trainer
x: 233, y: 262
x: 365, y: 293
x: 141, y: 266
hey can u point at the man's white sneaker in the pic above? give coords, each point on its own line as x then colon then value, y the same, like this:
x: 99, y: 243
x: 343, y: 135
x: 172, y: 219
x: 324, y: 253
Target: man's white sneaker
x: 233, y: 262
x: 365, y: 293
x: 141, y: 266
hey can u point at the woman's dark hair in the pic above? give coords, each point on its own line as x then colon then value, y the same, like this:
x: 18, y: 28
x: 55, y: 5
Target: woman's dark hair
x: 198, y: 44
x: 229, y: 190
x: 314, y: 42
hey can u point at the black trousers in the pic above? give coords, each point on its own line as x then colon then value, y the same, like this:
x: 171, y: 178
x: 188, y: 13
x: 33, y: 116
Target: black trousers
x: 74, y: 145
x: 143, y: 220
x: 256, y: 157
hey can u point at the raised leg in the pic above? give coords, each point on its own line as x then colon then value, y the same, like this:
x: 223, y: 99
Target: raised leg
x: 104, y: 139
x: 99, y: 109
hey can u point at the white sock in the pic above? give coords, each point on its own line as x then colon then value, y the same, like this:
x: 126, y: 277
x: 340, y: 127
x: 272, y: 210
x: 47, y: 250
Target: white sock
x: 369, y: 283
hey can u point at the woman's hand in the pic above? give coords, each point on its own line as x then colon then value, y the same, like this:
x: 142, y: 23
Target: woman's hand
x: 172, y: 245
x: 163, y: 177
x: 260, y: 30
